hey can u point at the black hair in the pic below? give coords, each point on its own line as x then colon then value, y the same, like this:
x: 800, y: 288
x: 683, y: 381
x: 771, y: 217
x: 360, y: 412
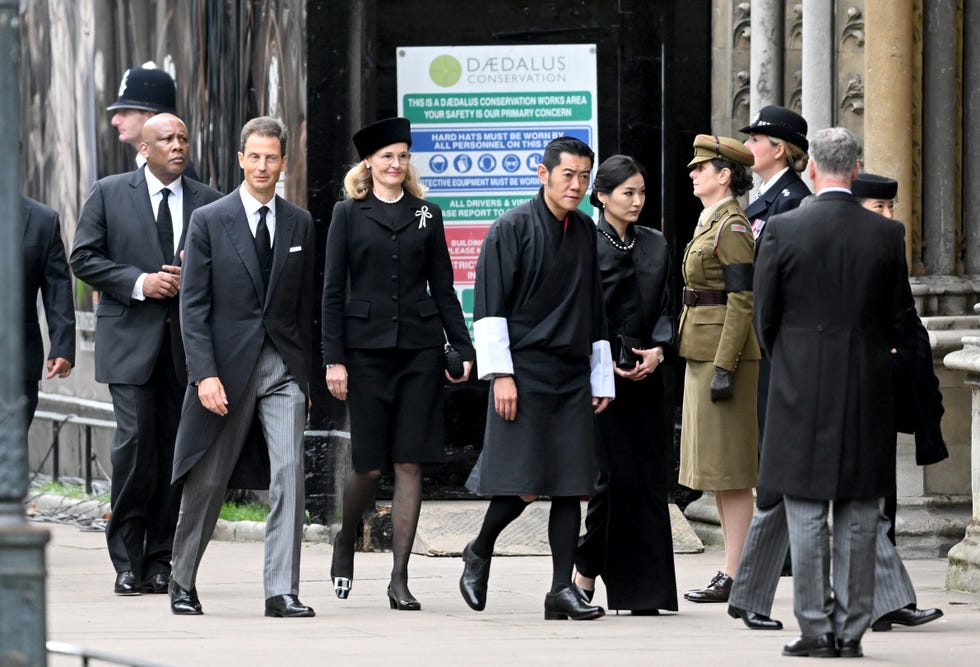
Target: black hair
x: 570, y: 145
x: 611, y: 173
x: 741, y: 181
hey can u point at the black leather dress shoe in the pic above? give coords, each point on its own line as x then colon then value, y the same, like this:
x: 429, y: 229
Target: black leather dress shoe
x: 476, y: 575
x: 716, y: 591
x: 849, y: 648
x: 184, y: 602
x: 754, y: 621
x: 158, y: 584
x: 910, y: 615
x: 127, y: 583
x: 566, y: 604
x: 287, y: 606
x: 821, y: 646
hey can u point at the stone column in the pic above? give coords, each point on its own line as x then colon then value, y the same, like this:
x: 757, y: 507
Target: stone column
x: 818, y: 64
x: 963, y: 570
x: 767, y: 54
x: 971, y: 136
x: 940, y: 138
x: 888, y: 126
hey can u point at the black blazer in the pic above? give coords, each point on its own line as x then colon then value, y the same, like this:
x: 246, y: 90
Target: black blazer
x: 45, y: 269
x: 116, y: 240
x: 226, y: 313
x: 918, y: 401
x: 784, y: 195
x: 400, y: 291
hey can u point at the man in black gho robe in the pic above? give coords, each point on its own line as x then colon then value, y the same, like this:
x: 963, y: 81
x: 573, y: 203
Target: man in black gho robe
x: 540, y: 336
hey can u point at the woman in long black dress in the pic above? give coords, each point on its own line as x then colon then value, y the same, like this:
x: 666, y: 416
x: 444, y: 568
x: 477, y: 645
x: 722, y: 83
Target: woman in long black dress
x: 628, y: 537
x: 387, y: 299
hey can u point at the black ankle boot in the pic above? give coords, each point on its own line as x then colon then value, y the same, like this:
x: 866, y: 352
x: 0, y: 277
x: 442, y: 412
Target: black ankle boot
x: 566, y: 604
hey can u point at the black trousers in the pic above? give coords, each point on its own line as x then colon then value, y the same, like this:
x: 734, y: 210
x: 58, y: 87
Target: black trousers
x: 30, y: 403
x: 144, y: 503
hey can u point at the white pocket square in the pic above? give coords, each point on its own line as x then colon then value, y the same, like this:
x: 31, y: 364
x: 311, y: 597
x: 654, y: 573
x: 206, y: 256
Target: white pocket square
x: 296, y: 248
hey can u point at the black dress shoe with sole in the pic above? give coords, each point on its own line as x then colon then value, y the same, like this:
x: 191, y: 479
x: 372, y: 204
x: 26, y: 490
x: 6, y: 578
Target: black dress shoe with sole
x: 566, y: 604
x: 127, y: 583
x: 184, y: 602
x: 908, y: 616
x: 407, y: 604
x: 158, y: 584
x: 849, y: 648
x: 716, y: 591
x: 754, y: 621
x: 821, y: 646
x: 287, y: 606
x: 474, y: 580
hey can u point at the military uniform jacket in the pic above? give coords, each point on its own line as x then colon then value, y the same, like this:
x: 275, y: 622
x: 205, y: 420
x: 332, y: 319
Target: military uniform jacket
x: 719, y: 257
x: 831, y: 296
x: 783, y: 195
x: 388, y: 281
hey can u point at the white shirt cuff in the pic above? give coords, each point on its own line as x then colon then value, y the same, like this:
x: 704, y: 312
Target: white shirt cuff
x: 602, y: 378
x: 492, y: 343
x: 138, y: 288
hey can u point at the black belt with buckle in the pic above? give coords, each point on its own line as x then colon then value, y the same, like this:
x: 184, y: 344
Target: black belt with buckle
x: 704, y: 297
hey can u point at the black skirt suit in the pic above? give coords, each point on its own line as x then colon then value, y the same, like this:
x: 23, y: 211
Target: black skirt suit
x: 387, y: 299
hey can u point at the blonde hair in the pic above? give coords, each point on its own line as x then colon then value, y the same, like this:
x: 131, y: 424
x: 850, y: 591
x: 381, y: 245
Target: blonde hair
x: 357, y: 182
x: 796, y: 157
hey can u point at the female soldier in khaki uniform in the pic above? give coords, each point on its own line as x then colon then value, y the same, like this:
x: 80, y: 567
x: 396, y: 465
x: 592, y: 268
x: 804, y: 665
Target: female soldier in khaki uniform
x: 719, y: 430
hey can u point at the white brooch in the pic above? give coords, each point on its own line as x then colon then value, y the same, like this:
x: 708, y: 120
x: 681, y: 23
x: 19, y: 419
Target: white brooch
x: 786, y: 192
x: 423, y: 214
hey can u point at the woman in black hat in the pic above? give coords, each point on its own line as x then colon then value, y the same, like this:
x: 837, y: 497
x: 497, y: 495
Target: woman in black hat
x: 777, y: 139
x: 387, y: 299
x: 628, y: 537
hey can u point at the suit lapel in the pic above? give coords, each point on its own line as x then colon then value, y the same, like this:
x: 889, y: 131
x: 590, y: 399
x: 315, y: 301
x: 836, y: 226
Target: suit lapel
x: 236, y: 225
x: 144, y: 213
x: 190, y: 203
x: 375, y: 212
x: 25, y: 219
x: 285, y: 222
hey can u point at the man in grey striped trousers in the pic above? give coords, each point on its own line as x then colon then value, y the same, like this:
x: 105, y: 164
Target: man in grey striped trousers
x: 247, y: 316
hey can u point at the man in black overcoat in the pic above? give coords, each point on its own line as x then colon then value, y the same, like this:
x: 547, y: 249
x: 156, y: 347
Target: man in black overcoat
x: 128, y: 244
x: 831, y: 292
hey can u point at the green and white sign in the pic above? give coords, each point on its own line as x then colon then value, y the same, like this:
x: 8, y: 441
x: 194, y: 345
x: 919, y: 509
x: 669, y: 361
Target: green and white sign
x: 481, y: 117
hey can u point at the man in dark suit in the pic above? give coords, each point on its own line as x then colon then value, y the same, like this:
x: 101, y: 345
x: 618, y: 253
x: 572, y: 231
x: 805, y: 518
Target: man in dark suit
x: 127, y: 245
x: 831, y: 292
x: 45, y: 270
x: 247, y: 313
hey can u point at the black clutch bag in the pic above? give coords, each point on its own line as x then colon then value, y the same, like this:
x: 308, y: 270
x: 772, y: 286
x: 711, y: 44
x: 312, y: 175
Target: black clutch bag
x: 454, y: 362
x: 624, y: 355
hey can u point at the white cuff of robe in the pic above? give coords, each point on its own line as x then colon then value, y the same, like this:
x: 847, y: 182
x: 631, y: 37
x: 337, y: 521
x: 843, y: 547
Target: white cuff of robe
x: 602, y: 378
x: 138, y: 288
x: 492, y: 342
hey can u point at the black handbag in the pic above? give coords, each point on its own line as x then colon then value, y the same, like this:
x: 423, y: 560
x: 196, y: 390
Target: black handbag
x: 624, y: 355
x: 454, y: 362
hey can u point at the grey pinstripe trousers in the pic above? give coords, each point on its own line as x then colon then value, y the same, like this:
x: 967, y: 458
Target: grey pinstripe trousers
x: 843, y: 607
x: 281, y: 407
x: 765, y: 550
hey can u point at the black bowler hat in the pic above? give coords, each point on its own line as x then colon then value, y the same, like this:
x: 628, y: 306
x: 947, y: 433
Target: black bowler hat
x: 382, y: 133
x: 147, y: 88
x: 873, y: 186
x: 780, y: 122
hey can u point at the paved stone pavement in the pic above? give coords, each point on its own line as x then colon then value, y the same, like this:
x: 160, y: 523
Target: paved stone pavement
x: 363, y: 631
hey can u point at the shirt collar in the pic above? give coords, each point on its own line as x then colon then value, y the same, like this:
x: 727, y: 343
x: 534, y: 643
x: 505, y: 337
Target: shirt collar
x: 154, y: 185
x: 252, y: 205
x: 834, y: 188
x: 710, y: 211
x: 772, y: 181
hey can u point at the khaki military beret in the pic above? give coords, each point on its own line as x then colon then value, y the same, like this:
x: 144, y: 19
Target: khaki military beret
x: 711, y: 146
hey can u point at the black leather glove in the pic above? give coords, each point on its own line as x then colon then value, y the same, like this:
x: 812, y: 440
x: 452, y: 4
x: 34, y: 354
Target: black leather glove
x: 722, y: 385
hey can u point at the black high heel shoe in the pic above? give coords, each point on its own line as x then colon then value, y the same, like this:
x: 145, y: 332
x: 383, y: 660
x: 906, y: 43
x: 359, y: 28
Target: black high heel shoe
x: 408, y: 604
x: 341, y: 585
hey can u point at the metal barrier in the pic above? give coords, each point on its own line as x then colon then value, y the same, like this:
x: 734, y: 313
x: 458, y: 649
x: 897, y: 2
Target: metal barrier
x: 87, y: 654
x: 57, y: 421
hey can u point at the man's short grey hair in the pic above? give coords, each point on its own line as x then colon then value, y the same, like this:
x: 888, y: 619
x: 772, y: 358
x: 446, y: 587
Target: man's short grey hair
x: 835, y: 151
x: 265, y: 126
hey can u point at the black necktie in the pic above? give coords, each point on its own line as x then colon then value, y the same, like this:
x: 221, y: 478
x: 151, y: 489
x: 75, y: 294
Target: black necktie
x: 165, y: 226
x: 263, y: 246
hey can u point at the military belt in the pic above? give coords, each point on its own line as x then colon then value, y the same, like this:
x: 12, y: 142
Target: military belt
x: 704, y: 297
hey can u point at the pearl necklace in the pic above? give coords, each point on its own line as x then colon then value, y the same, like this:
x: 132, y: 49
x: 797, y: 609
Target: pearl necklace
x: 616, y: 243
x: 390, y: 201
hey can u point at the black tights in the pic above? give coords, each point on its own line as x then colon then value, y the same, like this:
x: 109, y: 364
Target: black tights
x: 563, y: 527
x: 359, y: 495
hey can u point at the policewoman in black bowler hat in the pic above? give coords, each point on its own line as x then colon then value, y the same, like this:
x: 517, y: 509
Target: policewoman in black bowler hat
x: 777, y: 139
x: 387, y: 299
x: 718, y: 427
